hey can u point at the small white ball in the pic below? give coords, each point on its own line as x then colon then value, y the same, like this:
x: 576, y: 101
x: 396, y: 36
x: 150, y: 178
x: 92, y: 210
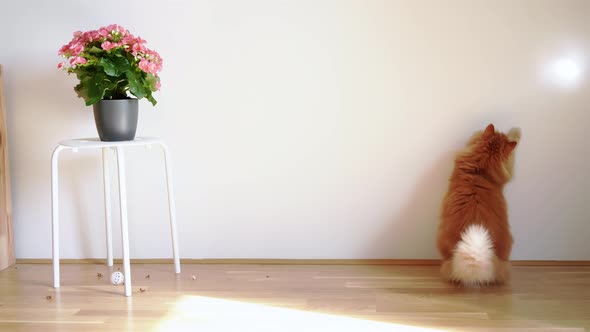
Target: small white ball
x: 117, y: 278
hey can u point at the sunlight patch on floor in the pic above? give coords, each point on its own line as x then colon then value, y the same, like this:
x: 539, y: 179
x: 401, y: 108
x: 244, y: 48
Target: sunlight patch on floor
x: 196, y: 313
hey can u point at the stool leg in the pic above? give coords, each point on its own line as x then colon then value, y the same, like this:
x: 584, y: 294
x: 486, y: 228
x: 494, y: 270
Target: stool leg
x: 107, y: 205
x: 55, y: 214
x: 171, y: 209
x: 124, y: 223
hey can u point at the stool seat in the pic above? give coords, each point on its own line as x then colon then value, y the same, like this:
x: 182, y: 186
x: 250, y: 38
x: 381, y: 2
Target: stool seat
x: 118, y: 146
x: 82, y: 143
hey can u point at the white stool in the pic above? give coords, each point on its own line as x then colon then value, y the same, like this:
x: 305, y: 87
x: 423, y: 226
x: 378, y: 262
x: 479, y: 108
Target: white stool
x: 94, y: 143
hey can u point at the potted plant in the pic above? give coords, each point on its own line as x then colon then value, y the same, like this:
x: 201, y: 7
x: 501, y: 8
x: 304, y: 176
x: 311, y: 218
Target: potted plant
x: 111, y: 64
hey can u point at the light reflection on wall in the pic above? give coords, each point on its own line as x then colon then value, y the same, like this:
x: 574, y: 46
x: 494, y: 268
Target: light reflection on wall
x: 565, y: 71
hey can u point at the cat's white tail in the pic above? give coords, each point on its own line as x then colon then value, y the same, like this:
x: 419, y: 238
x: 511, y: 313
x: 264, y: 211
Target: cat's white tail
x: 473, y: 259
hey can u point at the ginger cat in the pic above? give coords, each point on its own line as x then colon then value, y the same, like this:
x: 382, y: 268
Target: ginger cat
x: 474, y: 235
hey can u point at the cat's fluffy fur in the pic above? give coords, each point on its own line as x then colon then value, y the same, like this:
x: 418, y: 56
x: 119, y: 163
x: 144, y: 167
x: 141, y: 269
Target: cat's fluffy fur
x: 474, y: 236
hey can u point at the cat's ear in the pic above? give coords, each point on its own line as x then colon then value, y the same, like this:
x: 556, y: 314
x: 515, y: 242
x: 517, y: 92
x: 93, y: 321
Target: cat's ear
x: 510, y: 146
x: 489, y: 130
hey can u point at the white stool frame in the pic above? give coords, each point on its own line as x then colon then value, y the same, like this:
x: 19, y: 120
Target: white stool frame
x: 118, y: 147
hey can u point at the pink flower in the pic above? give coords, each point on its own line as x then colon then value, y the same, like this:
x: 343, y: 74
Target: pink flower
x: 76, y: 49
x: 77, y: 33
x: 158, y: 85
x: 149, y: 67
x: 153, y: 55
x: 107, y: 45
x: 77, y: 61
x: 93, y: 35
x: 138, y: 48
x: 115, y: 28
x: 103, y: 32
x: 63, y: 49
x: 152, y: 68
x: 144, y: 65
x: 127, y: 40
x: 61, y: 65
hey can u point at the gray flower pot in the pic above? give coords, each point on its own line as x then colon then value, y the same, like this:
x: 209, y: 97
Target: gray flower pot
x: 116, y: 119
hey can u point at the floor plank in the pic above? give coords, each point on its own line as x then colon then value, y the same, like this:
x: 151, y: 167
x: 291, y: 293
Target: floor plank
x: 290, y: 298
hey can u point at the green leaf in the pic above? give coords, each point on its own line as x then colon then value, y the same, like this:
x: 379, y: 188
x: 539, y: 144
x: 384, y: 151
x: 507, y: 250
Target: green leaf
x: 115, y: 67
x: 151, y: 82
x: 119, y: 52
x: 117, y: 88
x: 89, y: 91
x: 95, y: 50
x: 135, y: 85
x: 81, y: 91
x: 151, y: 99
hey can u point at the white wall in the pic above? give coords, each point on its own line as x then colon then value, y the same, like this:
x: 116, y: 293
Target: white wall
x: 309, y: 129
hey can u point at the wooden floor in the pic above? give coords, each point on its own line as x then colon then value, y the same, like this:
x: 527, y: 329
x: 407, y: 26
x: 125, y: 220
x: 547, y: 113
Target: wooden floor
x: 290, y: 298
